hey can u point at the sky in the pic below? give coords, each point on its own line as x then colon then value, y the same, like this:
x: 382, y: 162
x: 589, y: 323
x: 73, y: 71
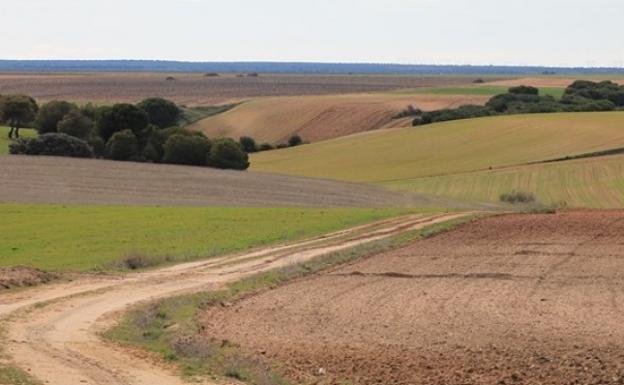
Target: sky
x: 502, y: 32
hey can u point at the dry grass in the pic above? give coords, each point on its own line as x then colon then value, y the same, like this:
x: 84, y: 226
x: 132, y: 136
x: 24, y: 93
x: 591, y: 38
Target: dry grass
x: 317, y: 118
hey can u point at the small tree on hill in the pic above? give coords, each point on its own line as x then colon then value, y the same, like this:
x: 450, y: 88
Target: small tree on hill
x: 121, y: 117
x: 123, y: 145
x: 50, y: 114
x: 295, y: 140
x: 76, y: 124
x: 248, y: 144
x: 17, y: 111
x: 227, y: 154
x: 192, y: 150
x: 161, y: 112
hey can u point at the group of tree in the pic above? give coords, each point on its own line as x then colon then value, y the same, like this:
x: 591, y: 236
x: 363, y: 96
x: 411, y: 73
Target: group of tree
x: 145, y: 132
x: 581, y: 96
x: 249, y: 144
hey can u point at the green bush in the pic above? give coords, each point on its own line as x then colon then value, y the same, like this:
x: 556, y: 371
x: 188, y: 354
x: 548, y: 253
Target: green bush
x: 52, y: 144
x: 266, y: 147
x: 524, y: 90
x: 516, y: 197
x: 161, y: 112
x: 227, y: 154
x: 192, y: 150
x: 121, y: 117
x: 50, y: 114
x: 295, y: 140
x: 123, y: 145
x: 76, y: 124
x: 248, y: 144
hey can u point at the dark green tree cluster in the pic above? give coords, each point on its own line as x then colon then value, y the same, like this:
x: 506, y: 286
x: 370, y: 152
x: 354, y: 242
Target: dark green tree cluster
x: 145, y: 132
x: 582, y: 95
x: 249, y: 144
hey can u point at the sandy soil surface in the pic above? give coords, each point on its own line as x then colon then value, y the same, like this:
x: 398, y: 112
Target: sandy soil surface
x: 515, y: 299
x: 20, y: 276
x: 52, y: 331
x: 84, y: 181
x: 317, y: 118
x: 197, y: 89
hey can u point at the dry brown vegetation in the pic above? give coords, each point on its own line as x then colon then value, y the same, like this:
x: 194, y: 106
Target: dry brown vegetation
x: 85, y: 181
x: 197, y: 89
x: 512, y: 299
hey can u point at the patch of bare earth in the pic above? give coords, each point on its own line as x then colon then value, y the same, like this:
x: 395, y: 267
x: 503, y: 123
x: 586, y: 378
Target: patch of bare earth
x: 197, y: 89
x: 515, y: 299
x: 20, y: 276
x: 56, y: 180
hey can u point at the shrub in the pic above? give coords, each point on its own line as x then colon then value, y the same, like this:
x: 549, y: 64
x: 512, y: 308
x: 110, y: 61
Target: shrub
x: 408, y: 111
x: 227, y: 154
x: 192, y: 150
x: 161, y: 112
x: 98, y: 145
x: 121, y: 117
x: 50, y: 114
x: 294, y: 141
x: 524, y: 90
x: 52, y: 144
x: 265, y: 147
x: 122, y: 145
x: 517, y: 197
x: 76, y: 124
x: 478, y: 81
x: 248, y: 144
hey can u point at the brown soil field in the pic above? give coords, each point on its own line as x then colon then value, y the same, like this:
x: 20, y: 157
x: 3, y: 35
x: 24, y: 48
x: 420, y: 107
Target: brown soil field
x: 552, y: 81
x: 317, y: 118
x: 56, y: 180
x: 513, y: 299
x: 197, y: 89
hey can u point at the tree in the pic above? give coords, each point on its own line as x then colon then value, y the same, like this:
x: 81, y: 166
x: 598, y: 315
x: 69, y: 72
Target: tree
x: 227, y: 154
x: 248, y: 144
x: 294, y: 141
x: 50, y: 114
x: 52, y: 144
x: 17, y: 111
x: 161, y: 112
x: 122, y: 145
x: 76, y: 124
x: 121, y: 117
x: 524, y: 90
x: 192, y: 150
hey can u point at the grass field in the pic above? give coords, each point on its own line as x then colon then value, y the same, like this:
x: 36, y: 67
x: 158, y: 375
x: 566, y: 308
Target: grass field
x: 484, y: 90
x: 593, y: 183
x: 4, y: 140
x: 449, y: 148
x: 85, y: 238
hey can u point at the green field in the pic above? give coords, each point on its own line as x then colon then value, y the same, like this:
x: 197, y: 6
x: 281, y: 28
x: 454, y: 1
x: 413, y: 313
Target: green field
x: 84, y: 238
x: 480, y: 90
x: 4, y: 140
x: 593, y: 182
x: 449, y: 147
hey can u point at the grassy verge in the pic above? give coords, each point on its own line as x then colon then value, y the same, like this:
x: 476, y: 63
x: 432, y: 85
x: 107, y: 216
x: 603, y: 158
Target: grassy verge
x: 191, y: 115
x: 481, y: 90
x: 170, y: 327
x: 5, y: 141
x: 84, y: 238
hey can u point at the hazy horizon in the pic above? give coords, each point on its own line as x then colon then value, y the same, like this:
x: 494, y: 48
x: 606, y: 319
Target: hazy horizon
x: 573, y: 33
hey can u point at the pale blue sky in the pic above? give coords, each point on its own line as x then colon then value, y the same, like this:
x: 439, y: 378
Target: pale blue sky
x: 518, y: 32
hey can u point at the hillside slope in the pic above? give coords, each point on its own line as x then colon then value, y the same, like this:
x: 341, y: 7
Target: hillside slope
x: 317, y: 118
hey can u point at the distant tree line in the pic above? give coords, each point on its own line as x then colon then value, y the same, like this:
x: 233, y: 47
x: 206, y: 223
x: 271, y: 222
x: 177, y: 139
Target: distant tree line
x: 580, y: 96
x: 146, y: 132
x: 249, y: 144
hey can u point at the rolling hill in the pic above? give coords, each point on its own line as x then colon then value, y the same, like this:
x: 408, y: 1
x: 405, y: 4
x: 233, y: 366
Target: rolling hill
x: 317, y: 118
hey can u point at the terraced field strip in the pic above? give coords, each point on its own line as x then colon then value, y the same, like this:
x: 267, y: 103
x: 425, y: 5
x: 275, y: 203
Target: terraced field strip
x: 592, y: 182
x: 53, y: 330
x: 484, y: 90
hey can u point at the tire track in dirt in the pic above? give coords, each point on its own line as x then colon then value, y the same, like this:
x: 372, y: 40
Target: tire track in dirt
x: 53, y: 332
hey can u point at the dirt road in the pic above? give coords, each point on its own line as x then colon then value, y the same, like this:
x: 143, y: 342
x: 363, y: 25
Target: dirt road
x: 513, y: 299
x: 52, y: 331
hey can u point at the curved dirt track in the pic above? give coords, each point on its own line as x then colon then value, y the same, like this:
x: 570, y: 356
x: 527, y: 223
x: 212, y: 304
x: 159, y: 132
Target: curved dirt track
x: 52, y: 331
x: 512, y: 299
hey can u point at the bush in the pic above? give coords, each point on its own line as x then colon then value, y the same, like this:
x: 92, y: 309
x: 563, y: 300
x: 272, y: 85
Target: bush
x: 52, y: 144
x: 409, y: 111
x: 524, y: 90
x: 516, y: 197
x: 161, y: 112
x: 122, y: 145
x: 98, y: 145
x: 50, y: 114
x: 265, y: 147
x: 248, y: 144
x: 192, y: 150
x: 227, y: 154
x: 294, y: 141
x: 121, y: 117
x: 75, y: 124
